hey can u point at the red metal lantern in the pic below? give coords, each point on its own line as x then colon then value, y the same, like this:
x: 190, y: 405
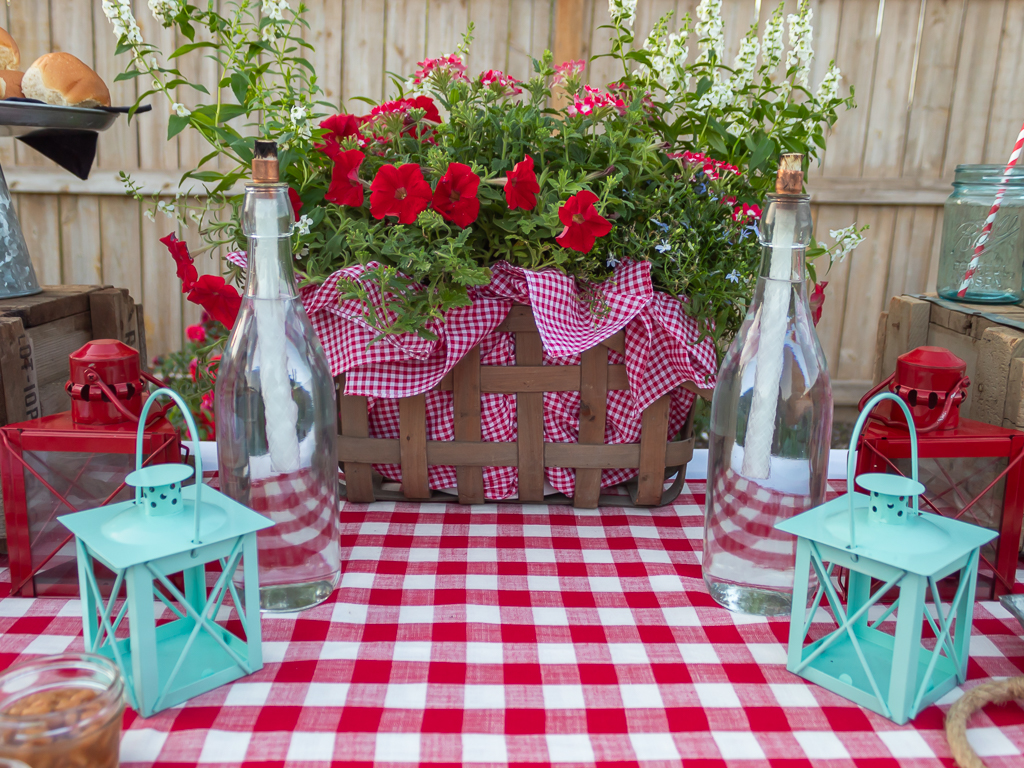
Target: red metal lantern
x: 971, y: 470
x: 75, y: 460
x: 932, y: 381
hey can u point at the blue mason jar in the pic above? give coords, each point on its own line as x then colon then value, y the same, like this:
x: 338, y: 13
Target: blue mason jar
x: 1000, y: 275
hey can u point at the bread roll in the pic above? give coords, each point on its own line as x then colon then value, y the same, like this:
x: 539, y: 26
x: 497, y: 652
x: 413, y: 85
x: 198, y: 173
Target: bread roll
x: 10, y: 84
x: 10, y: 56
x: 64, y: 81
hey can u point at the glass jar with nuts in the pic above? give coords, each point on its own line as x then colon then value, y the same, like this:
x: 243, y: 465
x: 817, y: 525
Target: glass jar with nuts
x: 62, y: 712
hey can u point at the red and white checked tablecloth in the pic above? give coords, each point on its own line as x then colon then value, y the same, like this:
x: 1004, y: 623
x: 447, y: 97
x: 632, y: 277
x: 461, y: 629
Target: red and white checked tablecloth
x: 532, y: 636
x: 662, y: 344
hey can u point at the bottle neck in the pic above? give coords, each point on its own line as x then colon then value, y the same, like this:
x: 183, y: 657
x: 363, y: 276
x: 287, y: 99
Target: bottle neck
x: 785, y: 235
x: 267, y: 221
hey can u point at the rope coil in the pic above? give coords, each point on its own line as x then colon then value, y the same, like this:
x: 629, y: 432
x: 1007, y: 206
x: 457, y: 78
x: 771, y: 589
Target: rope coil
x: 998, y: 692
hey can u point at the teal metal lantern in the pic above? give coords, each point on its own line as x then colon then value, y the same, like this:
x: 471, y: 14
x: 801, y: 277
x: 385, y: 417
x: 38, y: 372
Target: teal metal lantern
x: 883, y: 536
x: 167, y: 530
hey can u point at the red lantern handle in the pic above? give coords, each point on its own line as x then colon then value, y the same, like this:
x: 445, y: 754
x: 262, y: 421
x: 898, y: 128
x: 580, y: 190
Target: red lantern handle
x: 94, y: 378
x: 955, y: 398
x: 875, y: 390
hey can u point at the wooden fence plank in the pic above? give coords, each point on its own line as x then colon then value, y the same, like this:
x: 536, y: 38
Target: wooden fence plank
x: 412, y: 415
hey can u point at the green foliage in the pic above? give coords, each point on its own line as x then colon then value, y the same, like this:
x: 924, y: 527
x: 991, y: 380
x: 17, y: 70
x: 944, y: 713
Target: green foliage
x: 623, y: 145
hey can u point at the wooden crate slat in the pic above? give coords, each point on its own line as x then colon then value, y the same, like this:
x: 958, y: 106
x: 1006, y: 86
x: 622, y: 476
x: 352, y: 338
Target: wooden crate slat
x: 530, y: 418
x: 412, y: 420
x: 355, y: 423
x: 466, y: 410
x: 593, y: 403
x: 653, y: 436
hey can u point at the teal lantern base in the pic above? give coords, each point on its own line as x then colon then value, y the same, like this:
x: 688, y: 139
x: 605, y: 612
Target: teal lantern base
x: 891, y: 674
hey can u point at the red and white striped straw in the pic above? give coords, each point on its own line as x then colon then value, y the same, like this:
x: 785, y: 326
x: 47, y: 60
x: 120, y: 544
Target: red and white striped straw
x: 990, y: 220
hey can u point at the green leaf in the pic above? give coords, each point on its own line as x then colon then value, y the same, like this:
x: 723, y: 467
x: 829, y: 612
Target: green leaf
x: 239, y: 86
x: 764, y: 150
x: 130, y: 75
x: 189, y: 47
x: 703, y: 86
x: 176, y: 125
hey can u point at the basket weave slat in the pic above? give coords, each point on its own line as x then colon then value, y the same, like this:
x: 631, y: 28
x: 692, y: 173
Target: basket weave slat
x: 530, y: 418
x: 466, y: 411
x: 528, y: 379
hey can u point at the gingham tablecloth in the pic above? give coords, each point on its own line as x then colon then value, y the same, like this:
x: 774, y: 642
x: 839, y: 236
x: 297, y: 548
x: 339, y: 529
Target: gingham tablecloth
x: 531, y: 635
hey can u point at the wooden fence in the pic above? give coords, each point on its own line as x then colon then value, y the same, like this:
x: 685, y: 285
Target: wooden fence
x: 937, y: 81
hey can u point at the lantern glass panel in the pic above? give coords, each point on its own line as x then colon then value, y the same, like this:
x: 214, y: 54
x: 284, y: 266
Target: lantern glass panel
x: 954, y: 482
x: 86, y: 480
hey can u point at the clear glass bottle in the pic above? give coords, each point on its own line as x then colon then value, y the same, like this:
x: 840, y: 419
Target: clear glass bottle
x: 1000, y: 275
x: 771, y: 424
x: 276, y: 411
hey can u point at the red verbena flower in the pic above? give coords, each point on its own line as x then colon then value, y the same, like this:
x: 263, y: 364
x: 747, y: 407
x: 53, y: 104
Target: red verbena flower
x: 399, y: 191
x: 455, y: 197
x: 712, y: 168
x: 583, y: 224
x: 500, y: 83
x: 196, y: 333
x: 207, y: 402
x: 817, y: 301
x: 521, y: 188
x: 745, y: 212
x: 404, y: 105
x: 296, y: 202
x: 594, y: 100
x: 346, y: 188
x: 451, y: 64
x: 187, y: 271
x: 193, y: 369
x: 567, y: 70
x: 340, y: 126
x: 216, y: 297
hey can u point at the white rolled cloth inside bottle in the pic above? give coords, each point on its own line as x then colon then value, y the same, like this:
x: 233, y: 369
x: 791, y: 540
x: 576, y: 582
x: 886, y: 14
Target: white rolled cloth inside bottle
x: 768, y: 372
x: 280, y: 410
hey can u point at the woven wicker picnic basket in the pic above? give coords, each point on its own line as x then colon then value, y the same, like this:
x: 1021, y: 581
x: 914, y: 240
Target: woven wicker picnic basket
x: 655, y: 455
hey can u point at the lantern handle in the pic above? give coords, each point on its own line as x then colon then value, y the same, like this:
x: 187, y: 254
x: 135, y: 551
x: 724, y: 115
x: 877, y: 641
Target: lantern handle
x: 851, y: 459
x: 193, y: 433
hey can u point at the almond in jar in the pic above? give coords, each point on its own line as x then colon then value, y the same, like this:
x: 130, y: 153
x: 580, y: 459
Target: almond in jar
x: 62, y: 712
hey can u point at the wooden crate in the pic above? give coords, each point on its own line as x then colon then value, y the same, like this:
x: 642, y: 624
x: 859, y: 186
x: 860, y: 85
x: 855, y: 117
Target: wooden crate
x: 655, y: 456
x: 37, y: 333
x: 989, y: 338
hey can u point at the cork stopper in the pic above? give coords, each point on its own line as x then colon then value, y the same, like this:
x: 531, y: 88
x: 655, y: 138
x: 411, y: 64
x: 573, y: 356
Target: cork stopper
x: 790, y: 180
x: 264, y: 163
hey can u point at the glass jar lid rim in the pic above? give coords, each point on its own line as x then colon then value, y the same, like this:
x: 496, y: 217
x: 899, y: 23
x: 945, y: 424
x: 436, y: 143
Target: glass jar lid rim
x: 988, y: 174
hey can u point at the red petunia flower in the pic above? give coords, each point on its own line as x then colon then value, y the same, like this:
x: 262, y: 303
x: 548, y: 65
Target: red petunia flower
x: 216, y: 297
x: 399, y: 191
x: 346, y: 189
x: 583, y: 224
x: 196, y: 333
x: 187, y: 271
x: 455, y: 197
x: 817, y: 301
x: 296, y: 202
x: 340, y: 126
x: 521, y: 188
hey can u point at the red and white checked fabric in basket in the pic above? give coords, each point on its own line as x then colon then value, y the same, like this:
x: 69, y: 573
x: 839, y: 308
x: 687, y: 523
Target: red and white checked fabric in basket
x: 662, y: 351
x: 531, y: 636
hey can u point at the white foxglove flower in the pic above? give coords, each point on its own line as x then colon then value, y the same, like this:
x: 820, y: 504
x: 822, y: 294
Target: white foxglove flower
x: 275, y: 9
x: 746, y: 61
x: 303, y: 224
x: 801, y: 33
x: 622, y: 11
x: 709, y: 28
x: 119, y: 12
x: 771, y: 47
x: 828, y: 89
x: 180, y: 110
x: 167, y: 209
x: 846, y: 240
x: 149, y: 215
x: 164, y: 11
